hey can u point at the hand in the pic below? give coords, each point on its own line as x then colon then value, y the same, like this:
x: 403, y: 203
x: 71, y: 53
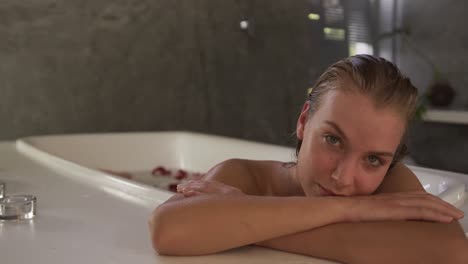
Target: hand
x: 197, y: 187
x: 401, y: 206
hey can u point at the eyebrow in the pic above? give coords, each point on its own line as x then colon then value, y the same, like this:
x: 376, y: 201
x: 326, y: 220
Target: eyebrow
x: 343, y: 135
x: 337, y: 128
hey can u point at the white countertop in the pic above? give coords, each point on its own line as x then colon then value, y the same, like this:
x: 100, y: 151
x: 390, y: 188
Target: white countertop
x: 79, y: 223
x: 447, y: 116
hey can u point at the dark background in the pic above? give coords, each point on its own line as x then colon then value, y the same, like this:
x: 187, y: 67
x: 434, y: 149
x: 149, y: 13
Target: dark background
x: 152, y: 65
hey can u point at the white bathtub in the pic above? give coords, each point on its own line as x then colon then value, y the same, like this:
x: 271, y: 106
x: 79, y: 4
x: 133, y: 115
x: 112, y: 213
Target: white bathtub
x: 87, y: 216
x: 85, y: 154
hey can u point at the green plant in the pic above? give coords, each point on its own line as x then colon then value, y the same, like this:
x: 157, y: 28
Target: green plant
x: 440, y: 92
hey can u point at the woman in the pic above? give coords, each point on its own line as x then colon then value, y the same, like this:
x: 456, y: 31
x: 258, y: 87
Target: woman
x: 347, y: 198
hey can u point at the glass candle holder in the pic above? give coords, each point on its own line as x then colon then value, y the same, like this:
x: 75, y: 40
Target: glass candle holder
x: 2, y: 189
x: 17, y: 207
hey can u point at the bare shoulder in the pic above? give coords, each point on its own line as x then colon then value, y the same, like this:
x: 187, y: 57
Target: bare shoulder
x: 400, y: 179
x: 239, y: 173
x: 253, y: 177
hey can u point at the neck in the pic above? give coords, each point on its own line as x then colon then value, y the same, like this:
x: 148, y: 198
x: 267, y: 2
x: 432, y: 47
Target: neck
x: 294, y: 187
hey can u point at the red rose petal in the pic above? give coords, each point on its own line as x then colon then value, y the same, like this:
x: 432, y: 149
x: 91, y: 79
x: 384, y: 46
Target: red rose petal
x: 181, y: 174
x: 160, y: 170
x: 172, y: 187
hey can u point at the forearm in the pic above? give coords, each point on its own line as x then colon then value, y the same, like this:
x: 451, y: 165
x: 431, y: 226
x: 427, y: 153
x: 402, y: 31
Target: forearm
x: 212, y: 223
x: 380, y: 242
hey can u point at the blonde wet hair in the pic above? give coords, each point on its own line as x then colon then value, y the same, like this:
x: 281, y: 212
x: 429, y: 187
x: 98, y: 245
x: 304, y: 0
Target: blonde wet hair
x: 371, y: 76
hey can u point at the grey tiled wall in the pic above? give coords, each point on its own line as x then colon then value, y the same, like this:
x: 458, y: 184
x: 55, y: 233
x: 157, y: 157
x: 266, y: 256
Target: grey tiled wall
x: 136, y: 65
x: 440, y: 146
x: 438, y: 29
x: 133, y: 65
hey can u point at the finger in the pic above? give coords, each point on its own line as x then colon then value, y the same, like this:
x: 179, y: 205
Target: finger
x: 447, y: 204
x: 426, y: 204
x: 439, y: 200
x: 430, y: 215
x: 422, y: 198
x: 191, y: 193
x: 197, y: 187
x: 414, y: 213
x: 200, y: 188
x: 436, y: 204
x: 457, y: 213
x: 180, y: 187
x: 190, y: 184
x: 186, y: 187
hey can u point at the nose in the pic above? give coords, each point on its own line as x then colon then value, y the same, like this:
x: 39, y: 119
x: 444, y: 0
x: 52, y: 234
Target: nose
x: 345, y: 173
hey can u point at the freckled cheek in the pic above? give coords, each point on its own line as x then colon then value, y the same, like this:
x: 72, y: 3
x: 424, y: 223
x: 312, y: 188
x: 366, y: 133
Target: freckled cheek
x: 326, y: 163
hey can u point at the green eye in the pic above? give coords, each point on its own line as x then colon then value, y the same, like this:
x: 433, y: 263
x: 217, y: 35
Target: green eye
x: 374, y: 160
x: 332, y: 140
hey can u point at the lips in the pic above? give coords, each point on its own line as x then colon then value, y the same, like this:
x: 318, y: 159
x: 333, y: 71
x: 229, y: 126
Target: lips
x: 325, y: 192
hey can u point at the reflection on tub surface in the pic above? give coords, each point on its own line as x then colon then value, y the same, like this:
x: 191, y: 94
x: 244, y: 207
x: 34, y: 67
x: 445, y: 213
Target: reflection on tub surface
x: 139, y: 154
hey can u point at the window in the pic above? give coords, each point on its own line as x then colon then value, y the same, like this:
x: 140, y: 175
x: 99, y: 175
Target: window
x: 346, y: 21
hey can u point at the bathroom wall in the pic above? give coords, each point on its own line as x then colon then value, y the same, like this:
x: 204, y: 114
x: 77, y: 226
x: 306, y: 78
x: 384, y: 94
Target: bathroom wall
x: 139, y: 65
x: 438, y: 30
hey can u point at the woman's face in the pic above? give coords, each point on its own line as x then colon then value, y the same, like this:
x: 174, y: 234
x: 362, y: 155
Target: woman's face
x: 347, y: 145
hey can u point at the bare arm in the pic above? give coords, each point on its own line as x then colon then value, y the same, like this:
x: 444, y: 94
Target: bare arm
x: 384, y: 241
x: 211, y: 223
x: 378, y: 242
